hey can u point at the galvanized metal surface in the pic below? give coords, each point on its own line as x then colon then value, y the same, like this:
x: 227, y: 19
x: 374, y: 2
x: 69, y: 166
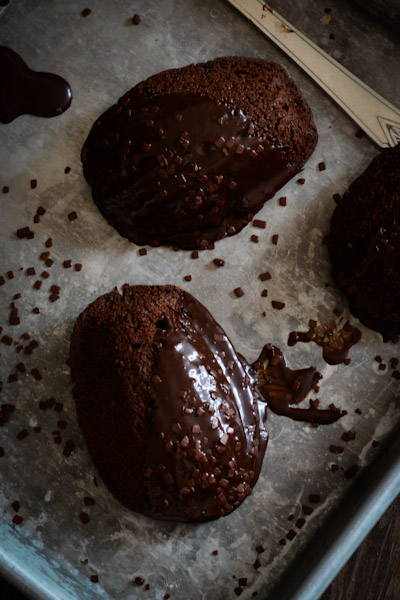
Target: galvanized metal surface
x: 102, y: 56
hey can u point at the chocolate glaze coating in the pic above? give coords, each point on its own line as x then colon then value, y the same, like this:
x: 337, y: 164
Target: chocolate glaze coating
x: 24, y: 91
x: 167, y: 407
x: 364, y: 244
x: 190, y: 155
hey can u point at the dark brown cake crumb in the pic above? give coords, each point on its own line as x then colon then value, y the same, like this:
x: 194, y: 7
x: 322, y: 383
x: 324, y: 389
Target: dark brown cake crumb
x: 86, y: 12
x: 16, y: 506
x: 260, y: 549
x: 321, y: 166
x: 188, y: 278
x: 214, y: 552
x: 219, y: 262
x: 78, y: 267
x: 283, y: 201
x: 67, y: 264
x: 33, y: 183
x: 194, y: 254
x: 314, y: 498
x: 72, y: 215
x: 275, y: 239
x: 282, y: 542
x: 67, y: 170
x: 22, y: 434
x: 300, y: 522
x: 94, y: 578
x: 89, y: 501
x: 254, y: 238
x: 238, y: 590
x: 301, y: 181
x: 139, y: 580
x: 54, y: 297
x: 136, y: 19
x: 238, y: 292
x: 277, y: 305
x: 10, y: 274
x: 17, y: 519
x: 84, y: 518
x: 6, y: 189
x: 336, y: 449
x: 30, y: 271
x: 351, y: 471
x: 360, y: 133
x: 291, y: 534
x: 142, y: 252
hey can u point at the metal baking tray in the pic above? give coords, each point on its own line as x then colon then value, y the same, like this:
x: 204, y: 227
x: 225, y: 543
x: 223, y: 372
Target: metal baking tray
x: 52, y: 555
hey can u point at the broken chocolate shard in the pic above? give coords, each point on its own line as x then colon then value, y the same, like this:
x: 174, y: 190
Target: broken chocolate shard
x: 282, y: 388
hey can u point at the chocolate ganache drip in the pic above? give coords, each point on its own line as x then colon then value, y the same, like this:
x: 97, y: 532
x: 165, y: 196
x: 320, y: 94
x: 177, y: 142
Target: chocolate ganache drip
x: 24, y: 91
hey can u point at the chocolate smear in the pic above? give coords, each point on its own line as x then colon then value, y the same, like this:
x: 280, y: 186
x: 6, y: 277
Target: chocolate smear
x: 282, y: 388
x: 335, y: 342
x: 24, y: 91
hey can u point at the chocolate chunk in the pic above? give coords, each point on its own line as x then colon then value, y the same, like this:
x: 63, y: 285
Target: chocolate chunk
x: 67, y: 170
x: 265, y: 276
x: 22, y: 434
x: 94, y: 578
x: 142, y: 252
x: 301, y: 181
x: 188, y: 278
x: 86, y: 12
x: 347, y: 436
x: 321, y: 166
x: 254, y: 238
x: 33, y: 183
x: 275, y: 239
x: 6, y: 189
x: 72, y: 215
x: 78, y: 267
x: 259, y: 223
x: 67, y: 264
x: 238, y: 590
x: 139, y: 580
x: 136, y: 19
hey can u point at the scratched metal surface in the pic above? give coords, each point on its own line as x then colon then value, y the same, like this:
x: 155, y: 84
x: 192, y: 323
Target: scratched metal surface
x: 102, y: 56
